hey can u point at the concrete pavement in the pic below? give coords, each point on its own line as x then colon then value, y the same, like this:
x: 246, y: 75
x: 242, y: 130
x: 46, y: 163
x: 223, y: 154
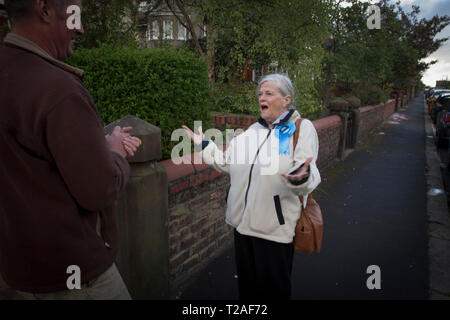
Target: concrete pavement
x: 376, y: 213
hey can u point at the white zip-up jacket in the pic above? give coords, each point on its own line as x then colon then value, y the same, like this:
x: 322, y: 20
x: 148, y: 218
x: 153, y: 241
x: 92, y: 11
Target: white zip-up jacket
x: 260, y: 201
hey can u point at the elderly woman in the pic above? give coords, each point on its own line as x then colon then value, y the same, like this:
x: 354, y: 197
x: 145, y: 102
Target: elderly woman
x: 263, y: 202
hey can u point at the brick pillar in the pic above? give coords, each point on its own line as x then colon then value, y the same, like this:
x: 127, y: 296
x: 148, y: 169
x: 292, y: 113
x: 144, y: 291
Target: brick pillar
x: 143, y: 259
x: 354, y: 105
x: 341, y: 107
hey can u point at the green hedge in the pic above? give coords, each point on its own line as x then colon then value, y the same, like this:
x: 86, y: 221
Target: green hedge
x: 164, y: 87
x: 236, y: 98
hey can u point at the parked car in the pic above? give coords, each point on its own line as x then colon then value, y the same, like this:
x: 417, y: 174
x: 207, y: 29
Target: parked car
x: 439, y: 105
x: 430, y: 92
x: 443, y: 126
x: 433, y: 97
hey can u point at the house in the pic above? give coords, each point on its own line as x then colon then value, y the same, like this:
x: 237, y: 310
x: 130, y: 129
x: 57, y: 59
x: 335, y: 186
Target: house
x: 443, y: 83
x: 163, y: 22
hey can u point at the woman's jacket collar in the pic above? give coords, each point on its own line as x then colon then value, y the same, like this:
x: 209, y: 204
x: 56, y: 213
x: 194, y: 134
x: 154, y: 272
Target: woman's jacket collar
x: 282, y: 119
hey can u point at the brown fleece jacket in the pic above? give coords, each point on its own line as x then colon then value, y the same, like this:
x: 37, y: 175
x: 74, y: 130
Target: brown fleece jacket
x: 57, y: 175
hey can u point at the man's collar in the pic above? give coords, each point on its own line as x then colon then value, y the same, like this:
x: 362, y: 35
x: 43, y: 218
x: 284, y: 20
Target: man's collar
x: 23, y: 43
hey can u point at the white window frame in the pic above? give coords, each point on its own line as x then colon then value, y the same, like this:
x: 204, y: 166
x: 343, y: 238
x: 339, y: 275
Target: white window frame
x: 155, y: 30
x: 148, y: 33
x: 182, y: 32
x: 168, y: 31
x: 257, y: 77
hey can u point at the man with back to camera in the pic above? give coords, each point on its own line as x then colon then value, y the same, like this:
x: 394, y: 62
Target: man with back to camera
x: 60, y: 175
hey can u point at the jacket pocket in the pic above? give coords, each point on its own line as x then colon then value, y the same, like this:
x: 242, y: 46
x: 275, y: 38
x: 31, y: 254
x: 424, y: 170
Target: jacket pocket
x: 276, y: 200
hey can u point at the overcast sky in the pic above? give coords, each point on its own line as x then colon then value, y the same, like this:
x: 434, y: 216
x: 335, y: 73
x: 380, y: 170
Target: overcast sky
x: 429, y: 8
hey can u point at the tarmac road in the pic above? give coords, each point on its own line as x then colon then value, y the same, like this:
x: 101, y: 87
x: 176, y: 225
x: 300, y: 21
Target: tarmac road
x: 375, y: 213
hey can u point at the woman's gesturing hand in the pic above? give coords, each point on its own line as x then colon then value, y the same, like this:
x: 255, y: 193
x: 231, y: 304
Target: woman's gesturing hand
x: 301, y: 174
x: 197, y: 138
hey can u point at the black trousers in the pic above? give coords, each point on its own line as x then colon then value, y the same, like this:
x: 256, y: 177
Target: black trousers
x: 263, y: 267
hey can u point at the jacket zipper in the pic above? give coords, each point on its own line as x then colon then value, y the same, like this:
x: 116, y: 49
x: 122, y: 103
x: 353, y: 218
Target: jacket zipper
x: 251, y: 169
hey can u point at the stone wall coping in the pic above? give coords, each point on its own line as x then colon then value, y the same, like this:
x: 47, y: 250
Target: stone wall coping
x: 372, y: 108
x: 327, y: 122
x: 185, y: 169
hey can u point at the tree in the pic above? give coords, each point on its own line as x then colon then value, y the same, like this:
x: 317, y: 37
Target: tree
x: 205, y: 9
x: 370, y: 61
x: 286, y: 35
x: 109, y: 22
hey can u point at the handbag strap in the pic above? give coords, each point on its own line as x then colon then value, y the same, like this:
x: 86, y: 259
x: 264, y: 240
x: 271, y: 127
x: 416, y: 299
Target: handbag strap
x: 297, y: 131
x: 296, y: 134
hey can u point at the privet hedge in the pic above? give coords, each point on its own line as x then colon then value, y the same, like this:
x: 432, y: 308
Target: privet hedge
x: 164, y: 87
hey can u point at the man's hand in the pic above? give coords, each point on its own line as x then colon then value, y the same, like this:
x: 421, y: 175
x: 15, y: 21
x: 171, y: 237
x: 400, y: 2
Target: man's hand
x: 300, y: 174
x: 131, y: 144
x: 122, y: 142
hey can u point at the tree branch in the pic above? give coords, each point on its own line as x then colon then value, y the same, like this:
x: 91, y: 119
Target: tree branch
x: 174, y: 13
x: 190, y: 27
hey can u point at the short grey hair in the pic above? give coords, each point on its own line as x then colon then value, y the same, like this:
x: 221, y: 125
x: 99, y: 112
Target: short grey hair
x: 283, y: 83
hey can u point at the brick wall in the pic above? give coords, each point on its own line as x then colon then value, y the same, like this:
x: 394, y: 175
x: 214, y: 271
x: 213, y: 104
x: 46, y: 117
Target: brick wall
x: 370, y: 117
x: 389, y: 108
x: 233, y: 121
x: 373, y: 116
x: 197, y: 228
x: 330, y: 131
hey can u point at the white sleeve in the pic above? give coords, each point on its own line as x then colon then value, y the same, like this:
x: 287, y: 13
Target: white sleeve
x: 216, y: 158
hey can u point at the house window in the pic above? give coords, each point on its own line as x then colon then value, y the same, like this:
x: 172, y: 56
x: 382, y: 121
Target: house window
x: 257, y: 74
x: 181, y: 32
x: 168, y: 30
x: 146, y: 6
x: 155, y: 30
x: 142, y: 7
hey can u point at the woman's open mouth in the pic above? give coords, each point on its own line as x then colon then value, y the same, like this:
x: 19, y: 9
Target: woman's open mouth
x: 264, y: 107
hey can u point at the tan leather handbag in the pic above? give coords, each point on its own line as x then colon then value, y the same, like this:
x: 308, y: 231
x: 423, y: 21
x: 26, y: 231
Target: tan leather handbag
x: 309, y: 228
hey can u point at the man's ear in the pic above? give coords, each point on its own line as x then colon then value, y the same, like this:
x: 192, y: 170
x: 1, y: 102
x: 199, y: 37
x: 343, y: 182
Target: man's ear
x: 44, y: 11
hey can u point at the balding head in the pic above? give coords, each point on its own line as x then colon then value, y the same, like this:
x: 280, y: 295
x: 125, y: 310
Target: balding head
x: 18, y: 10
